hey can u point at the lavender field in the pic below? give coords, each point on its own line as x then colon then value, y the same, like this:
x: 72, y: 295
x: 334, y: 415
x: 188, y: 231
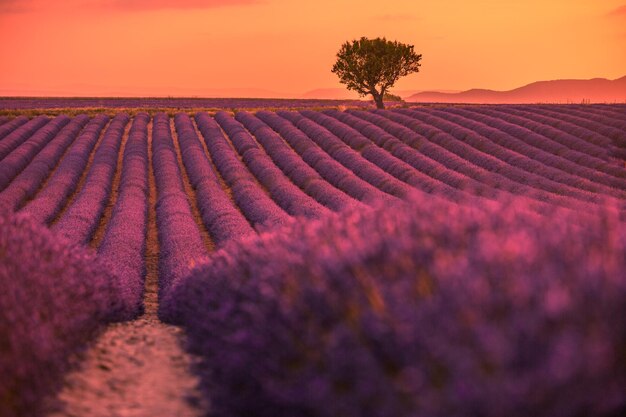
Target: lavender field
x: 427, y: 261
x: 14, y: 104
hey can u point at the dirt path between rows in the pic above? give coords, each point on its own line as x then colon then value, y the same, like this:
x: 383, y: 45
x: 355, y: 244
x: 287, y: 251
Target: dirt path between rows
x: 135, y: 369
x: 138, y: 368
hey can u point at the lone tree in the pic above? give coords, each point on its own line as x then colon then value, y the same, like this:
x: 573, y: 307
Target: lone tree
x: 372, y: 66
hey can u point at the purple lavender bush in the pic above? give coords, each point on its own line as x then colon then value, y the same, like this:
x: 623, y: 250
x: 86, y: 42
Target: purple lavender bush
x: 26, y: 184
x: 123, y: 246
x: 293, y: 166
x: 9, y: 126
x: 180, y: 243
x: 284, y: 192
x: 22, y: 132
x: 54, y: 297
x: 48, y: 201
x: 220, y: 214
x: 331, y: 170
x: 420, y: 309
x: 80, y: 220
x: 20, y: 157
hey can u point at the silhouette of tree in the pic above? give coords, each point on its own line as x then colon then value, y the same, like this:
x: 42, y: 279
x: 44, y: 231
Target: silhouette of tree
x: 372, y: 66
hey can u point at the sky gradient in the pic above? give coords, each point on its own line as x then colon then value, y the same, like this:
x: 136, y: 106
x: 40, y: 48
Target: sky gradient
x: 195, y: 47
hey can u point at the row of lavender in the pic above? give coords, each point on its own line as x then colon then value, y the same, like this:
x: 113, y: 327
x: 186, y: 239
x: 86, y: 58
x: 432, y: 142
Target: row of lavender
x: 329, y: 161
x: 7, y: 103
x: 394, y: 311
x: 453, y: 151
x: 426, y: 308
x: 65, y: 293
x: 378, y: 169
x: 250, y: 177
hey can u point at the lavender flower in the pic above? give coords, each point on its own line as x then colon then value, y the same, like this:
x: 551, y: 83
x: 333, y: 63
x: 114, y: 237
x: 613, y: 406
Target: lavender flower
x: 54, y: 297
x: 423, y: 309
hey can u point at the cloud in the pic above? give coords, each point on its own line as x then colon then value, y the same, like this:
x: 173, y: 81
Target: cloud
x: 25, y: 6
x: 140, y: 5
x: 619, y: 12
x: 14, y: 6
x: 28, y: 6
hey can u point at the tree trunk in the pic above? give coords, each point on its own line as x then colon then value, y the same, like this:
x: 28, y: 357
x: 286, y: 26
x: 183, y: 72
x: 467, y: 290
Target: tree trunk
x: 378, y: 99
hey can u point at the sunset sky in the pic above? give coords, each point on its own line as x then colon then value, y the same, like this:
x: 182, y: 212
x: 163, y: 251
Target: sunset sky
x: 195, y: 47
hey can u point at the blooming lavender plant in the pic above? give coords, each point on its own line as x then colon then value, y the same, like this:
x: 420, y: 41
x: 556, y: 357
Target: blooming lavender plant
x: 169, y: 102
x: 220, y: 215
x: 54, y: 297
x: 488, y: 168
x: 332, y: 171
x: 347, y: 157
x: 27, y: 182
x: 20, y: 133
x: 544, y: 163
x: 286, y: 194
x: 123, y: 246
x: 9, y: 126
x: 571, y: 148
x: 375, y: 154
x: 17, y: 159
x: 80, y: 220
x: 253, y: 201
x: 596, y: 128
x: 423, y: 309
x: 180, y: 243
x: 294, y: 167
x: 47, y: 203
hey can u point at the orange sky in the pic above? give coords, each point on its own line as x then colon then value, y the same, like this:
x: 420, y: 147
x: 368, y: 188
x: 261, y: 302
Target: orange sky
x: 191, y: 47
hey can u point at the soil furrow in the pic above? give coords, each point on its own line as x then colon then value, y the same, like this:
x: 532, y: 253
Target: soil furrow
x: 191, y: 193
x: 44, y: 183
x: 108, y: 209
x: 217, y: 173
x: 151, y: 291
x: 137, y: 368
x: 70, y: 199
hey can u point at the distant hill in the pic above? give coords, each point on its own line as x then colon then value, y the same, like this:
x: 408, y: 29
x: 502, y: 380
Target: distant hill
x: 339, y: 93
x: 89, y: 90
x: 405, y: 94
x: 331, y: 94
x: 596, y: 90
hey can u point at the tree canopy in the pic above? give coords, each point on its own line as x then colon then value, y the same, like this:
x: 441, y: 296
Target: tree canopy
x: 372, y: 66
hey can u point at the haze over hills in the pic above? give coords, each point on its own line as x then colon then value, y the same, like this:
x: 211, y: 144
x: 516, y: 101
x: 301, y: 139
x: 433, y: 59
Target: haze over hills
x: 84, y: 90
x: 341, y: 93
x: 94, y: 90
x: 332, y: 93
x: 596, y: 90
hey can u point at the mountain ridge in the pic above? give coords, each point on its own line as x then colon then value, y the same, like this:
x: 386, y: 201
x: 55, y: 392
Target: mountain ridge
x: 594, y: 90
